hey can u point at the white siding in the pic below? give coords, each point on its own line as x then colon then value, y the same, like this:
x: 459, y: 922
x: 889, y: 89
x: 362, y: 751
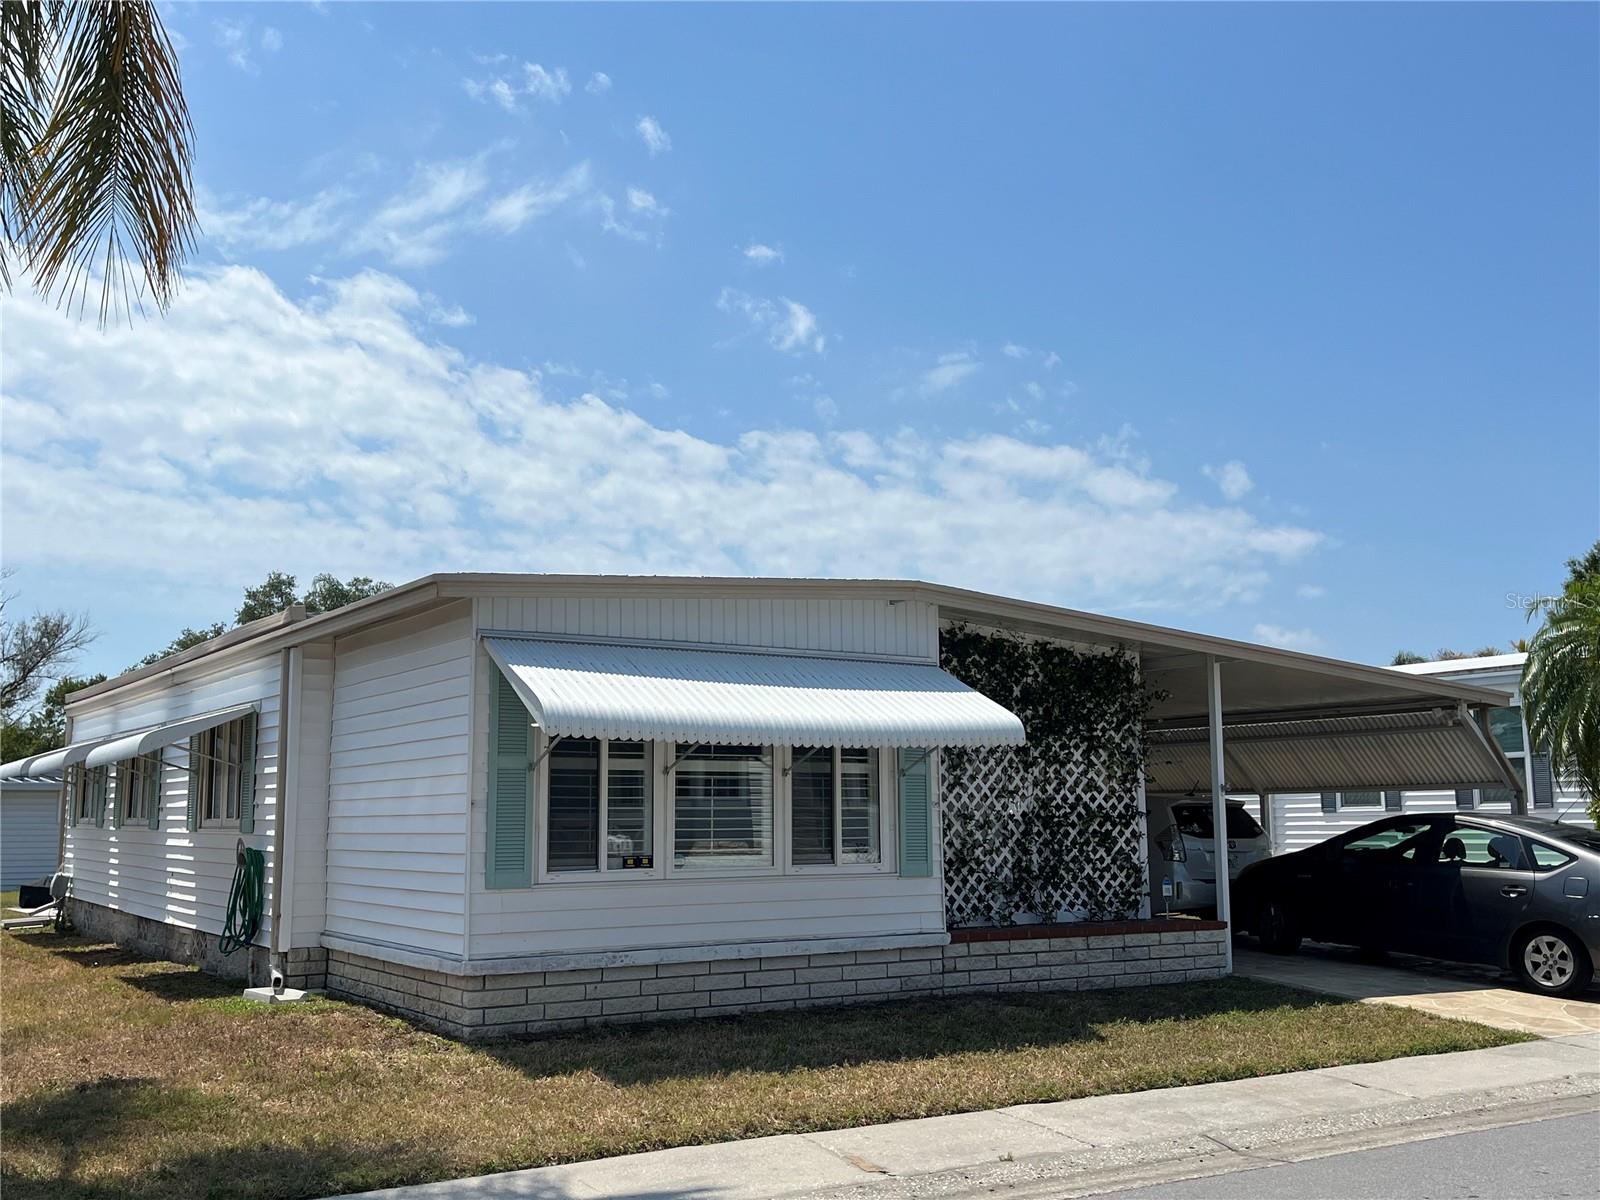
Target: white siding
x: 308, y: 820
x: 866, y: 626
x: 27, y: 833
x: 172, y: 874
x: 574, y: 917
x: 399, y: 778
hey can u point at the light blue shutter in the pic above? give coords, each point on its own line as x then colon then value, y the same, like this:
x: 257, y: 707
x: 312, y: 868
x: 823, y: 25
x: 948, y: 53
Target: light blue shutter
x: 154, y: 769
x: 916, y: 813
x: 1544, y: 791
x: 1394, y: 801
x: 510, y: 843
x: 247, y: 776
x: 1330, y: 802
x: 1464, y: 798
x: 196, y: 765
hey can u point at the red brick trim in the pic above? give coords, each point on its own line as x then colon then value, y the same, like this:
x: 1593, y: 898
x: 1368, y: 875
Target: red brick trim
x: 1011, y: 933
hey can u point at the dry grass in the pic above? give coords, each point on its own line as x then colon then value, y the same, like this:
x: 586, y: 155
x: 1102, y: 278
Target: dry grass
x: 126, y: 1077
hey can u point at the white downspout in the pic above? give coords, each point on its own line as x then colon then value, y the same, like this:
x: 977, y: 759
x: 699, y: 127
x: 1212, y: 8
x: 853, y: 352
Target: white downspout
x: 1219, y: 805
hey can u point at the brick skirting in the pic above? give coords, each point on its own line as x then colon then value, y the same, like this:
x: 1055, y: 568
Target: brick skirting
x: 490, y: 1006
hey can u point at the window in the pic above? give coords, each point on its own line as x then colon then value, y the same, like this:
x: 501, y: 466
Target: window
x: 221, y: 769
x: 594, y: 786
x: 1505, y: 726
x: 1360, y: 799
x: 1399, y: 839
x: 722, y: 808
x: 1548, y: 858
x: 139, y: 786
x: 835, y: 815
x: 1467, y: 846
x: 82, y: 794
x: 1194, y: 820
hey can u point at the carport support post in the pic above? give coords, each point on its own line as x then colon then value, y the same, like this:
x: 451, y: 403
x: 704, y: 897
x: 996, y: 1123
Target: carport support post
x: 1219, y: 804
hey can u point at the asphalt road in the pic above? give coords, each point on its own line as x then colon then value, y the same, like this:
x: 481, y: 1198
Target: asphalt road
x: 1555, y: 1158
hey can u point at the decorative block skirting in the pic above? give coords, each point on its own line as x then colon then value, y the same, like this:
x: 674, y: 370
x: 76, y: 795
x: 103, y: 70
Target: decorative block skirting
x: 1022, y: 960
x: 172, y: 942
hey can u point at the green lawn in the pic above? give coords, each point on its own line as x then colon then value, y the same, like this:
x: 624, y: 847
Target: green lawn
x: 130, y: 1078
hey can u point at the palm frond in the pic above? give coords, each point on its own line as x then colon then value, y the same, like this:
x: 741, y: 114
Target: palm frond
x: 27, y: 31
x: 113, y: 162
x: 1561, y: 685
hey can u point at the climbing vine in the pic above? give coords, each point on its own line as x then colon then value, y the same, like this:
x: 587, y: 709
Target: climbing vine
x: 1049, y: 830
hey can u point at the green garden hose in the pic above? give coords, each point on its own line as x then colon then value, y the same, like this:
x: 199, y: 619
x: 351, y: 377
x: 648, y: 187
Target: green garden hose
x: 245, y: 901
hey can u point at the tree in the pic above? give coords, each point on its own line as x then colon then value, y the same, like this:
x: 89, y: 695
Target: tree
x: 46, y: 726
x: 1404, y: 658
x: 1561, y: 681
x: 33, y: 649
x: 1586, y: 566
x: 95, y: 149
x: 189, y: 637
x: 326, y: 593
x: 272, y: 595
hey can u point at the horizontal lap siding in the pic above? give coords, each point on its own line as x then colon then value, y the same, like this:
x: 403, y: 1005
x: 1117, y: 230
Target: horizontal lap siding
x: 173, y: 874
x: 866, y: 626
x: 1298, y: 820
x: 398, y: 779
x: 27, y: 835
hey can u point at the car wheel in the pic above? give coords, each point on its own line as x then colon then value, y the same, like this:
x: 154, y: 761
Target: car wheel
x: 1551, y: 962
x: 1276, y: 927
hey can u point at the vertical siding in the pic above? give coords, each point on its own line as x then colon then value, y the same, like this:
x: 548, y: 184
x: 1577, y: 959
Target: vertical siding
x: 864, y: 626
x: 27, y: 834
x: 398, y: 781
x: 308, y: 823
x: 172, y: 874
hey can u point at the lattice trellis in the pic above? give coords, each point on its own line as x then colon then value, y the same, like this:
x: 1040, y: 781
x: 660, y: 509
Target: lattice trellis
x: 1050, y: 830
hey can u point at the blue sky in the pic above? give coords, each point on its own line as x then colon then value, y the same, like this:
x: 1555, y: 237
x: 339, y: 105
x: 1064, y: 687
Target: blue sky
x: 1272, y: 321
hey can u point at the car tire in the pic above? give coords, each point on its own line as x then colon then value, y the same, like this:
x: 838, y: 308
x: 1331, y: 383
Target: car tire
x: 1277, y: 928
x: 1551, y: 962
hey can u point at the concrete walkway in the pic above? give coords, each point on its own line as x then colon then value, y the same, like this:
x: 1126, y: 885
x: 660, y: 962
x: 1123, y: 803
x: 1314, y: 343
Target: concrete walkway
x: 1075, y: 1147
x: 1471, y: 993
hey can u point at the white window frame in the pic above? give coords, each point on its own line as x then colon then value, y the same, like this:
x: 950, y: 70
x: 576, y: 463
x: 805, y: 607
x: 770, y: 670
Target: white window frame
x: 233, y: 778
x: 888, y: 803
x: 130, y: 791
x: 780, y: 818
x: 602, y: 872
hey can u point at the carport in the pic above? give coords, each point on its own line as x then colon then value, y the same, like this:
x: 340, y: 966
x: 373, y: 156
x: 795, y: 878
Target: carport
x: 1232, y: 715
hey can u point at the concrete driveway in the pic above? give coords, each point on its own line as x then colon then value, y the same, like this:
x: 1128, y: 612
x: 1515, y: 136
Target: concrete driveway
x: 1471, y: 993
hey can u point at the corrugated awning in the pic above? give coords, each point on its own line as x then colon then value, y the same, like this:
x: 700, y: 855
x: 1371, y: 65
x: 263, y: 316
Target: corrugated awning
x: 1440, y: 748
x: 131, y: 745
x: 654, y: 693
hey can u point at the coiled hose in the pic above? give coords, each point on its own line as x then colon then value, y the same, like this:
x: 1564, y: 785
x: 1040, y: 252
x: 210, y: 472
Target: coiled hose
x: 245, y: 901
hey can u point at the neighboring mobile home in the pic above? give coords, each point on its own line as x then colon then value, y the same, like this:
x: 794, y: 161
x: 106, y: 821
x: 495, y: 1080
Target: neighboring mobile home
x: 29, y: 830
x: 512, y: 803
x: 1303, y: 819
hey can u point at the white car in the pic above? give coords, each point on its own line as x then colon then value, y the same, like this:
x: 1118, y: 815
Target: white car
x: 1182, y: 850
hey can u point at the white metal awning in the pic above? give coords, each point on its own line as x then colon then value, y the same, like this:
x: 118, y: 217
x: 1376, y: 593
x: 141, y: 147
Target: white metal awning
x: 131, y: 745
x: 1440, y: 748
x: 657, y: 693
x: 51, y: 762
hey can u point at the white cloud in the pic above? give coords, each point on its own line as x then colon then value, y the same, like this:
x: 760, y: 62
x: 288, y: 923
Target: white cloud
x: 787, y: 324
x: 233, y: 37
x: 1231, y: 478
x: 1012, y: 350
x: 1034, y: 389
x: 1052, y: 361
x: 1288, y: 639
x: 655, y: 137
x: 599, y: 84
x: 264, y: 224
x: 762, y: 254
x: 950, y: 371
x: 1311, y: 591
x: 250, y: 432
x: 412, y: 228
x: 537, y: 83
x: 452, y: 316
x: 511, y: 211
x: 271, y: 40
x: 642, y: 201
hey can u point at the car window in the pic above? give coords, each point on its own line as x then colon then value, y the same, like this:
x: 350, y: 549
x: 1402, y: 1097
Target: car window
x: 1469, y: 846
x: 1548, y: 858
x: 1194, y: 820
x: 1399, y: 840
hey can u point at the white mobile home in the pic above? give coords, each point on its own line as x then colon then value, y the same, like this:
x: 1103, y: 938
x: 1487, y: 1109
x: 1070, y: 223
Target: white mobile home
x: 1302, y: 819
x: 511, y: 803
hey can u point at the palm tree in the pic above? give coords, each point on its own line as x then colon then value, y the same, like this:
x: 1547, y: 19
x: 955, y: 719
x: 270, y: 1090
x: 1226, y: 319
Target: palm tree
x: 95, y: 145
x: 1561, y: 685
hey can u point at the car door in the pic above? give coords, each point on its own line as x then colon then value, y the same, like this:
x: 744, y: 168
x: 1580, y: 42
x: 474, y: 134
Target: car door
x: 1478, y: 892
x: 1367, y: 872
